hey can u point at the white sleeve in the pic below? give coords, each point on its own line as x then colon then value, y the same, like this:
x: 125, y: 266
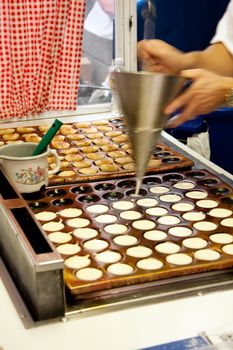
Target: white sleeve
x: 224, y: 31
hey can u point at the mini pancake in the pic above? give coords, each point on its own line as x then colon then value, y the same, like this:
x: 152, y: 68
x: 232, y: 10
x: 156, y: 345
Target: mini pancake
x: 106, y: 219
x: 95, y: 135
x: 207, y: 203
x: 96, y: 244
x: 103, y: 161
x: 88, y: 171
x: 183, y: 206
x: 63, y: 165
x: 129, y: 167
x: 68, y: 173
x: 157, y: 211
x: 194, y: 216
x: 104, y: 128
x: 100, y: 122
x: 154, y: 163
x: 120, y: 139
x: 228, y: 249
x: 205, y: 226
x: 220, y: 213
x: 123, y: 205
x: 168, y: 220
x: 31, y: 138
x: 155, y: 235
x: 97, y: 208
x: 149, y: 264
x: 108, y: 257
x: 125, y: 240
x: 194, y: 243
x: 130, y: 151
x: 126, y: 147
x: 139, y: 252
x: 116, y: 154
x: 180, y: 231
x: 89, y: 149
x: 78, y: 222
x: 109, y: 167
x: 184, y: 185
x: 53, y: 226
x: 67, y: 130
x: 71, y: 212
x: 90, y: 130
x: 11, y: 142
x: 120, y: 269
x: 147, y: 202
x: 59, y: 237
x: 170, y: 198
x: 59, y: 138
x: 81, y: 143
x: 95, y: 156
x: 81, y: 164
x: 159, y: 189
x: 68, y: 249
x: 207, y: 255
x: 60, y: 144
x: 24, y: 130
x: 73, y: 157
x: 77, y: 262
x: 227, y: 222
x: 130, y: 215
x: 116, y: 229
x: 85, y: 233
x: 167, y: 248
x: 89, y: 274
x: 221, y: 238
x: 179, y: 259
x: 145, y: 225
x: 112, y: 134
x: 46, y: 216
x: 109, y: 148
x: 6, y: 131
x: 196, y: 194
x: 100, y: 142
x: 71, y: 150
x: 75, y: 137
x: 10, y: 137
x: 82, y: 125
x: 124, y: 160
x: 44, y: 128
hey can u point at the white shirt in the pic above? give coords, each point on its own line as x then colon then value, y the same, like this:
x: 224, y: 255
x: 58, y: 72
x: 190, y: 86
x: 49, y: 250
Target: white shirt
x: 99, y: 23
x: 224, y: 31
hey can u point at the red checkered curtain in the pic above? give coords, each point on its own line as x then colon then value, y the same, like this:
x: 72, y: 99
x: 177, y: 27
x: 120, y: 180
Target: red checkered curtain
x: 40, y: 55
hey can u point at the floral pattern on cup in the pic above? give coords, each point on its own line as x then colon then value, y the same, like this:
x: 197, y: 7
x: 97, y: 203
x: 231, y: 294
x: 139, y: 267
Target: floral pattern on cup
x: 31, y: 176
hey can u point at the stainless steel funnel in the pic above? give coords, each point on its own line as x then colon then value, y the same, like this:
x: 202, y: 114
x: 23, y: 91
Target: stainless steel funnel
x: 143, y: 97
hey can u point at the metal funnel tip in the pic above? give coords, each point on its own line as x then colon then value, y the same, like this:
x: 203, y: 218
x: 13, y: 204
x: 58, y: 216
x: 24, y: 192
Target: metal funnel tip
x: 143, y: 97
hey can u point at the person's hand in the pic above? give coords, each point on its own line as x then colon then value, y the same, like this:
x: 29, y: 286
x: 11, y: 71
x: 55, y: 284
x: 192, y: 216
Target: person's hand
x: 205, y: 94
x: 158, y: 56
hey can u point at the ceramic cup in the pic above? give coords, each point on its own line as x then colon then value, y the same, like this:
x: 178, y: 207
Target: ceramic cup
x: 28, y: 173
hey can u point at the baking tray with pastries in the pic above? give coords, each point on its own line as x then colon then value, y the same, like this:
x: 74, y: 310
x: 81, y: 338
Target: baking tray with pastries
x: 94, y: 150
x: 180, y: 224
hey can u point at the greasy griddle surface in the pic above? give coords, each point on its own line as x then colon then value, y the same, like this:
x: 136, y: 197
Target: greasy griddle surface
x: 108, y: 192
x: 101, y: 149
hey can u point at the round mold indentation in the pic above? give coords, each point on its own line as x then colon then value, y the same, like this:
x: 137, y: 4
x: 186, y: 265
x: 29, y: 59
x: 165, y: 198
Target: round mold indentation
x: 168, y: 220
x: 77, y: 262
x: 184, y: 185
x: 170, y: 198
x: 131, y: 193
x: 59, y: 237
x: 195, y: 243
x: 127, y: 184
x: 120, y: 269
x: 68, y: 249
x: 206, y: 226
x: 89, y: 198
x: 108, y: 257
x: 113, y: 196
x: 97, y: 208
x: 147, y: 202
x: 62, y: 202
x: 144, y: 225
x: 78, y: 222
x: 196, y: 174
x: 170, y: 160
x: 130, y: 215
x: 161, y: 154
x: 167, y: 248
x: 123, y: 205
x: 208, y: 182
x: 46, y: 216
x: 180, y: 231
x: 173, y: 177
x: 207, y: 254
x: 194, y: 216
x: 38, y: 205
x: 219, y: 191
x: 151, y: 180
x: 227, y: 200
x: 196, y: 194
x: 159, y: 189
x: 156, y: 211
x: 207, y: 203
x: 149, y: 264
x: 228, y: 249
x: 96, y: 244
x: 125, y: 240
x: 81, y: 189
x: 183, y: 206
x: 221, y: 238
x: 155, y: 235
x: 220, y: 213
x: 139, y: 252
x: 89, y: 274
x: 85, y: 233
x: 106, y: 219
x: 70, y: 212
x: 116, y: 121
x: 105, y: 186
x: 33, y: 196
x: 116, y: 229
x: 227, y: 222
x: 57, y: 192
x: 179, y: 259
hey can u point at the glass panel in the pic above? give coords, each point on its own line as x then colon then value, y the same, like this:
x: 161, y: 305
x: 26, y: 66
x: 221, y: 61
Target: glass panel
x: 98, y: 51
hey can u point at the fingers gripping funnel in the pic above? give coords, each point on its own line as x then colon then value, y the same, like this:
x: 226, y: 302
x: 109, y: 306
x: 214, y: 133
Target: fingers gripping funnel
x: 143, y: 97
